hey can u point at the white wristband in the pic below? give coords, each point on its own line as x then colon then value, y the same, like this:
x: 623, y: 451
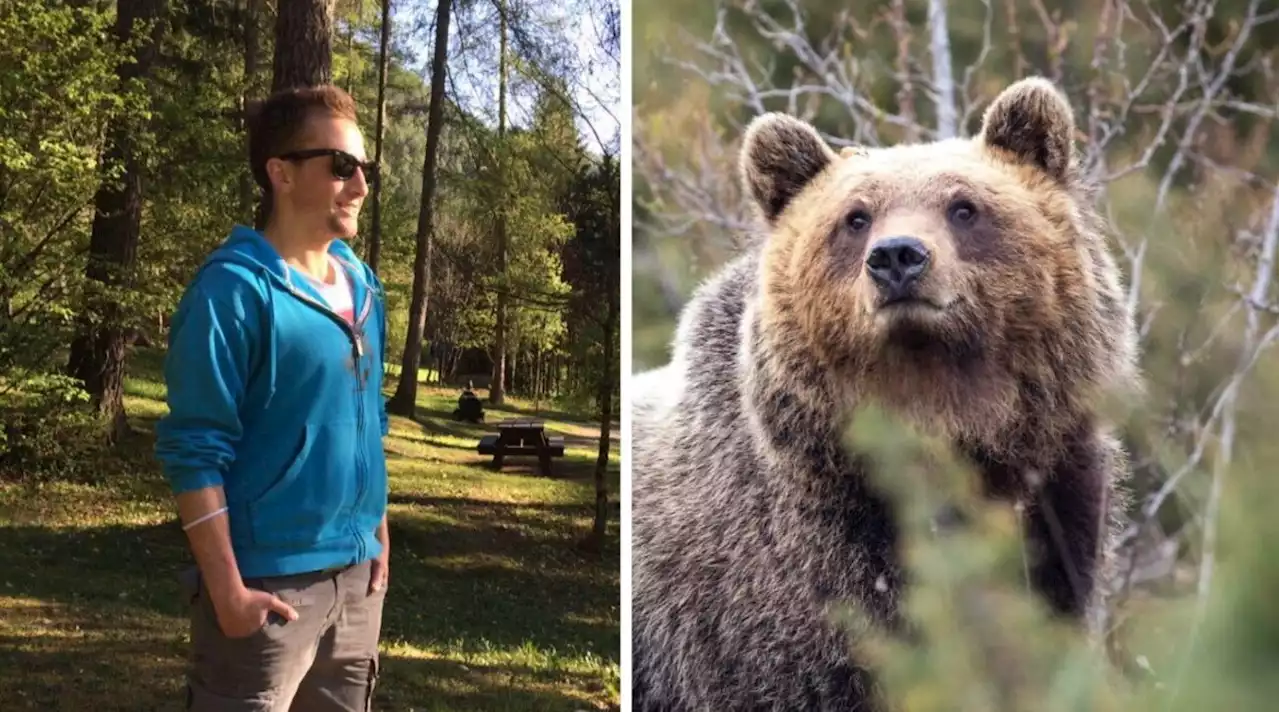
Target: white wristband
x: 205, y: 518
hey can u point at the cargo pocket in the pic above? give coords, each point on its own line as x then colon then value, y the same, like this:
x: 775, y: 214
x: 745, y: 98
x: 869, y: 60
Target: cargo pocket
x: 248, y: 673
x: 189, y: 584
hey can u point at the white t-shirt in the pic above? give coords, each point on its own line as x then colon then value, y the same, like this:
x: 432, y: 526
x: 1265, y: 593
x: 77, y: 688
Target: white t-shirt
x: 336, y: 293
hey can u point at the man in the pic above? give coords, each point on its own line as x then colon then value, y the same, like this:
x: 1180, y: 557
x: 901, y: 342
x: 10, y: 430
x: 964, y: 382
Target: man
x: 273, y: 442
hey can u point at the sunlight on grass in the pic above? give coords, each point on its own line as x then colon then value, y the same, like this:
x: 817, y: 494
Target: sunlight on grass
x: 143, y: 390
x: 143, y: 408
x: 425, y: 375
x: 56, y: 505
x: 475, y: 562
x: 458, y: 673
x: 492, y: 606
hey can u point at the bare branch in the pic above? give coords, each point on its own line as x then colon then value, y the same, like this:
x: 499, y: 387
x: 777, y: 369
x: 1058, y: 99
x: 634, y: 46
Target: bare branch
x: 970, y: 104
x: 940, y: 50
x: 902, y: 65
x: 1250, y: 353
x: 1261, y: 286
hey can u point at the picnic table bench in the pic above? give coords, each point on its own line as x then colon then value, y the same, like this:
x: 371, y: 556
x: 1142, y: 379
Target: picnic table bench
x: 522, y: 437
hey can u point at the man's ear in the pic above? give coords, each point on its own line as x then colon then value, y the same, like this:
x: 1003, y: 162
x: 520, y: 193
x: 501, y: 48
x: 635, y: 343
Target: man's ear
x: 280, y: 174
x: 780, y: 156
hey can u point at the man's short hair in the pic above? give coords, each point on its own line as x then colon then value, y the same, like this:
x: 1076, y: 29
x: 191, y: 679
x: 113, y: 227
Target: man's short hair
x: 278, y: 124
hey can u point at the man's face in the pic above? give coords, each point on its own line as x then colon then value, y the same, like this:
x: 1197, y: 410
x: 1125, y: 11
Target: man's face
x: 312, y: 193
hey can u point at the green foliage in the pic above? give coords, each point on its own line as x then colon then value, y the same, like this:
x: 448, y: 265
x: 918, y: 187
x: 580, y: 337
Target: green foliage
x: 592, y: 263
x: 50, y: 437
x: 512, y: 187
x: 524, y: 179
x: 984, y: 641
x: 58, y: 91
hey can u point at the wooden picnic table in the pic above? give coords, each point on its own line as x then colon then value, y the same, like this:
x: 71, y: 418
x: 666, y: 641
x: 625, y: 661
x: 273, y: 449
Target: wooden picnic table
x: 522, y: 436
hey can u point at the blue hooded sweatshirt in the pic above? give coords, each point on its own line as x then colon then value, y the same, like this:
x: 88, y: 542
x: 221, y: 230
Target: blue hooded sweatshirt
x: 276, y: 398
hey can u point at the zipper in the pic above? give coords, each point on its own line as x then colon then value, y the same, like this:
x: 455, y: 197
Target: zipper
x: 357, y: 344
x: 356, y: 334
x: 362, y: 466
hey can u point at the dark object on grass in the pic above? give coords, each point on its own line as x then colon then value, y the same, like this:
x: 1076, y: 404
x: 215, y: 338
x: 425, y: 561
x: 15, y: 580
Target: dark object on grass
x: 522, y: 436
x: 469, y: 407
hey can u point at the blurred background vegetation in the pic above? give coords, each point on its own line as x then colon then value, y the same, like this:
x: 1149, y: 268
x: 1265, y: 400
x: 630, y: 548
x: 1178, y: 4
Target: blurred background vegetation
x: 1176, y: 106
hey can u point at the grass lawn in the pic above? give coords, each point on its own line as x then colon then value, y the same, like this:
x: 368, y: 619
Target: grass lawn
x: 491, y: 605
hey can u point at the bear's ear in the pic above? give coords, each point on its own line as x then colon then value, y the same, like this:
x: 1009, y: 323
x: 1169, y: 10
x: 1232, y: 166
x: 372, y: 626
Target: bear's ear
x: 1032, y: 120
x: 780, y: 155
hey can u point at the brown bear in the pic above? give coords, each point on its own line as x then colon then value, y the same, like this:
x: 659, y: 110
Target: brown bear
x: 964, y: 283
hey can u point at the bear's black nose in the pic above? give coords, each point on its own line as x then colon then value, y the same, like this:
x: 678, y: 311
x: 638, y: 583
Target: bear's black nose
x: 895, y: 263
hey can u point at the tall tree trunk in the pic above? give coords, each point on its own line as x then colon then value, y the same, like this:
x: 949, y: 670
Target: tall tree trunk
x: 97, y: 356
x: 406, y: 395
x: 304, y: 49
x: 351, y: 50
x: 612, y: 288
x: 515, y: 370
x: 375, y: 233
x: 605, y: 396
x: 537, y: 374
x: 249, y: 208
x: 497, y: 389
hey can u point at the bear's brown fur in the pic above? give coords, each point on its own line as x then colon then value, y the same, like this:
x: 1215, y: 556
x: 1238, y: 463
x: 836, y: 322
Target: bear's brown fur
x: 749, y: 517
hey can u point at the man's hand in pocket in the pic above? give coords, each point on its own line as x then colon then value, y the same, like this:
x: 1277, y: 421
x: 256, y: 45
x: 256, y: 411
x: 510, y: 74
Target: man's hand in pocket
x: 244, y: 611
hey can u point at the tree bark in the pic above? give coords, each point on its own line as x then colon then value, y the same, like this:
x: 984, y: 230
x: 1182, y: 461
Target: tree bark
x: 606, y: 411
x: 611, y: 288
x: 406, y: 395
x: 375, y: 225
x: 248, y: 205
x: 497, y: 389
x: 97, y: 356
x: 517, y: 375
x: 537, y: 374
x: 304, y: 50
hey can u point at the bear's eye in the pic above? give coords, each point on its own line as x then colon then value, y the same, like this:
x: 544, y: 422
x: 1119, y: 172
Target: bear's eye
x: 962, y: 213
x: 860, y: 220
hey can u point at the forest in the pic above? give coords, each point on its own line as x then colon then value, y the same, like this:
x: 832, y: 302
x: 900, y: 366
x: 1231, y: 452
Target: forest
x: 494, y: 227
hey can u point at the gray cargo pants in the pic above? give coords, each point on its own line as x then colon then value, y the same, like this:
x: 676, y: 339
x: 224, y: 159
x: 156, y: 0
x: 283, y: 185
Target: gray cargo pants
x: 326, y: 661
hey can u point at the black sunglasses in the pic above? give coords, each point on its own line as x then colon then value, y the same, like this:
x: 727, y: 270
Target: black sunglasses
x: 344, y: 164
